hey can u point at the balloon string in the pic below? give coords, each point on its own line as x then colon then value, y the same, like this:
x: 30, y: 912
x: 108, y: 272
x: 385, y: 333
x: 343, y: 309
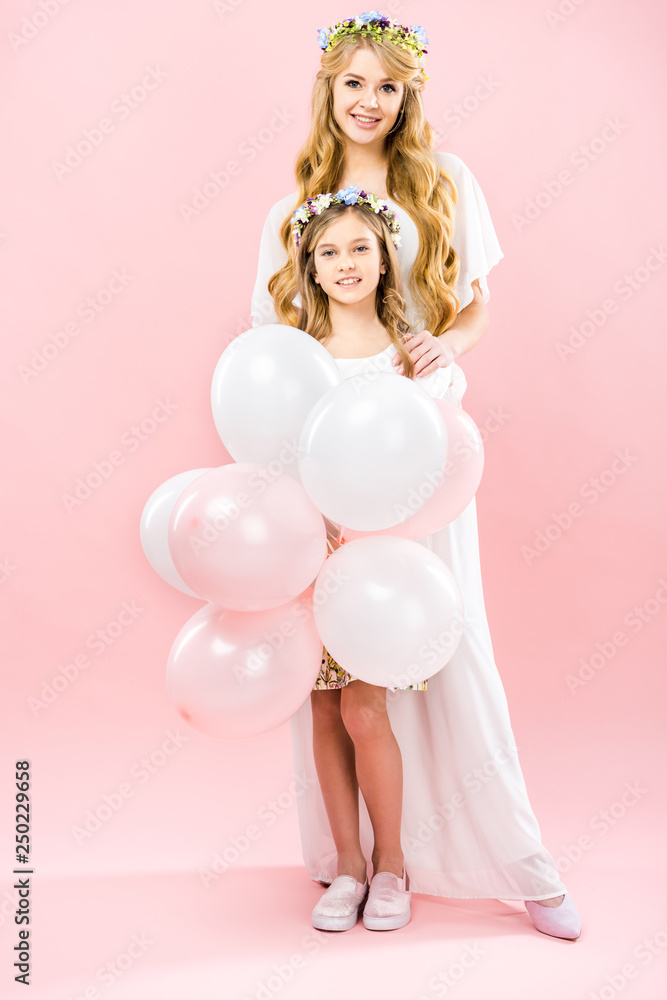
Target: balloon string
x: 333, y: 545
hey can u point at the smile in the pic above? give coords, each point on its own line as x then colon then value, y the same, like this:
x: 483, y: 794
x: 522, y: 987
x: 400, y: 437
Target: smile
x: 348, y: 281
x: 364, y: 119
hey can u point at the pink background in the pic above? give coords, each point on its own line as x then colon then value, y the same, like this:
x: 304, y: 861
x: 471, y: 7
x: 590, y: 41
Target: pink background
x: 533, y: 94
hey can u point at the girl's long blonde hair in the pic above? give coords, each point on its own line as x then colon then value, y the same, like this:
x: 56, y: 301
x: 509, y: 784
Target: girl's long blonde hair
x: 415, y: 180
x: 389, y: 303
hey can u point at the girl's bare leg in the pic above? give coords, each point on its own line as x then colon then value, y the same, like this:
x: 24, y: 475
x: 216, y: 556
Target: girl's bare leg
x: 354, y: 746
x: 379, y: 767
x: 334, y: 755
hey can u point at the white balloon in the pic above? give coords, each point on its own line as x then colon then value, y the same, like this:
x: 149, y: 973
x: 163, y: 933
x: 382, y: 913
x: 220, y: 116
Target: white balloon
x: 264, y: 385
x: 371, y: 451
x: 153, y: 528
x: 388, y: 610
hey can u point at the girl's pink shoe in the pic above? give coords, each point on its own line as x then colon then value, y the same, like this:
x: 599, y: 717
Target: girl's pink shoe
x: 338, y: 908
x: 388, y: 903
x: 559, y: 921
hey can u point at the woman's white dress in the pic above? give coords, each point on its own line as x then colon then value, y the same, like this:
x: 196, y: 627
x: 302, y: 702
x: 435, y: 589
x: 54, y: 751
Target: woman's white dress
x: 468, y: 830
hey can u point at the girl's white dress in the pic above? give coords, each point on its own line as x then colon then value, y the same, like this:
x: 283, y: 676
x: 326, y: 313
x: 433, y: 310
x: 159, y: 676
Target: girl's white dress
x: 468, y: 829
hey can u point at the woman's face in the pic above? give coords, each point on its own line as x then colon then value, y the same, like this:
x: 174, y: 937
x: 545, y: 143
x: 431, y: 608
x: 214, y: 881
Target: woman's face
x: 348, y: 261
x: 366, y: 101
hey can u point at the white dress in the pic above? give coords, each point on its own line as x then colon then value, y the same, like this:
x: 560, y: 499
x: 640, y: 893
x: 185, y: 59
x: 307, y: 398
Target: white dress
x: 468, y: 830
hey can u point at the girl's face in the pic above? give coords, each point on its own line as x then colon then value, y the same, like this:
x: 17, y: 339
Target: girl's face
x: 347, y: 259
x: 366, y: 102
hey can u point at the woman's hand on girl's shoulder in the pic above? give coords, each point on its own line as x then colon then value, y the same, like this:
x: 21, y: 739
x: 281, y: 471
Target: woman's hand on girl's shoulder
x: 427, y: 352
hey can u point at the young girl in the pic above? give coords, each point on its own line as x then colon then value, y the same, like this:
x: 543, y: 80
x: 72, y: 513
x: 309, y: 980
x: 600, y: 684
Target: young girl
x: 349, y: 283
x: 468, y: 829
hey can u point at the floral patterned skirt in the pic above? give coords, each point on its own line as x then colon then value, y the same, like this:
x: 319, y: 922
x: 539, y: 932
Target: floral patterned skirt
x: 332, y: 676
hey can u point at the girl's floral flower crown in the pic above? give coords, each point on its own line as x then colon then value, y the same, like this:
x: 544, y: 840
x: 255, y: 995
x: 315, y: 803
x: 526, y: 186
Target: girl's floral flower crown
x: 373, y: 23
x: 352, y: 195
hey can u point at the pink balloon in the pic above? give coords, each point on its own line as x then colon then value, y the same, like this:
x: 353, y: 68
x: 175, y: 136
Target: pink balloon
x: 461, y: 477
x: 244, y: 538
x: 236, y: 674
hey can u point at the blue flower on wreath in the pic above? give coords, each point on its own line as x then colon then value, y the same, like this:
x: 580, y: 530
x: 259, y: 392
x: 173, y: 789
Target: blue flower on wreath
x: 323, y: 38
x: 419, y: 33
x: 350, y: 195
x: 370, y: 15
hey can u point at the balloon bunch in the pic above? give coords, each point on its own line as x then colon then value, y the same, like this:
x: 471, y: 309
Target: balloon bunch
x: 374, y: 459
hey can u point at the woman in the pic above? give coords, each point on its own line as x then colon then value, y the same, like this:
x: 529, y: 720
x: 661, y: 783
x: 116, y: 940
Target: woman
x: 459, y: 823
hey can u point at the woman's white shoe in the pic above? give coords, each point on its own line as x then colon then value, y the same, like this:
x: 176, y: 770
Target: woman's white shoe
x: 338, y: 907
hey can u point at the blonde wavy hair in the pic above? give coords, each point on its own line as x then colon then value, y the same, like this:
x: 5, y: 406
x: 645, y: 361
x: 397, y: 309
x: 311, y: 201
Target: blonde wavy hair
x: 415, y: 180
x: 389, y: 303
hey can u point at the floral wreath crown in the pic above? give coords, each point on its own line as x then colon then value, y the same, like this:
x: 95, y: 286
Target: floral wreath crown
x: 352, y: 195
x: 373, y: 23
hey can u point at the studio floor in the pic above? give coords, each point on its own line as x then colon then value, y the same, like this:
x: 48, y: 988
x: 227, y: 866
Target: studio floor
x: 249, y: 937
